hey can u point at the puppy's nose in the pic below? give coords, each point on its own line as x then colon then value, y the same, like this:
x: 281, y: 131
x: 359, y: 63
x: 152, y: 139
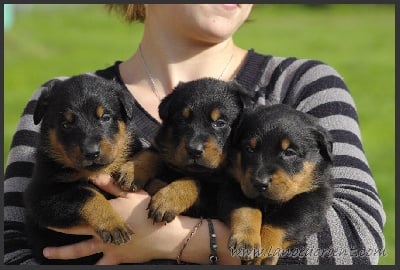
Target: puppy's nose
x: 91, y: 151
x: 195, y: 151
x: 262, y: 184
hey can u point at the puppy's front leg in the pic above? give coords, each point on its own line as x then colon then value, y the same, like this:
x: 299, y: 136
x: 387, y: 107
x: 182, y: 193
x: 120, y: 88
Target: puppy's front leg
x: 98, y: 213
x: 272, y: 242
x: 245, y: 240
x: 173, y: 199
x: 136, y: 172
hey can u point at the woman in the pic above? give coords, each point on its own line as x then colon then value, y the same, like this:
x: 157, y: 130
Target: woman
x: 186, y: 42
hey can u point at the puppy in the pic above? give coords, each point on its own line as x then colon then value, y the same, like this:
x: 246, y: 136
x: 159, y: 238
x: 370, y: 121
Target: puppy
x: 86, y: 129
x: 281, y: 162
x: 189, y: 152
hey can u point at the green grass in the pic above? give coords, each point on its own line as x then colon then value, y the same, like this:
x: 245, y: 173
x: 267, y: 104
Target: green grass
x: 357, y: 40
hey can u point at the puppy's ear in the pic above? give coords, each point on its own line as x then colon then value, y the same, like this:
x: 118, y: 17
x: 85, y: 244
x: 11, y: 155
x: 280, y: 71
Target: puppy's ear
x: 43, y: 101
x: 246, y: 96
x: 165, y: 105
x: 325, y: 142
x: 127, y: 103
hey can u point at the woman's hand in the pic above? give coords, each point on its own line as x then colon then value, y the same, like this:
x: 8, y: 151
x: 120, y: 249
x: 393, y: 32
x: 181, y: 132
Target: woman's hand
x: 149, y: 241
x: 132, y: 208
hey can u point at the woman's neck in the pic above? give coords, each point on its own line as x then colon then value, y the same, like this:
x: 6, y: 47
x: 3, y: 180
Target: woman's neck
x: 161, y: 63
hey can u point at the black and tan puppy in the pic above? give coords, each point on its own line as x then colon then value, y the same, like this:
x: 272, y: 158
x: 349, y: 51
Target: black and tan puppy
x: 86, y: 129
x: 281, y: 162
x: 191, y: 148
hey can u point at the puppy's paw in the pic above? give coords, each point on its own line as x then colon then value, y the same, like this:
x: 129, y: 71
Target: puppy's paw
x: 125, y: 178
x: 119, y: 233
x: 163, y: 207
x: 245, y: 245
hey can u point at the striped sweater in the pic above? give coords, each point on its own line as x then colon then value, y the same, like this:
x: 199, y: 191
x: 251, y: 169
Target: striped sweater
x: 353, y: 232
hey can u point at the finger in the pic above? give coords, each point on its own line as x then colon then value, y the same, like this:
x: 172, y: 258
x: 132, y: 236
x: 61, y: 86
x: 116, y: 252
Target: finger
x: 106, y: 183
x: 79, y: 229
x: 73, y: 251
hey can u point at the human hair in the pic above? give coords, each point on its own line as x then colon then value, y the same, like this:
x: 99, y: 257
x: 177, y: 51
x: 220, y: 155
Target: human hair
x: 130, y: 12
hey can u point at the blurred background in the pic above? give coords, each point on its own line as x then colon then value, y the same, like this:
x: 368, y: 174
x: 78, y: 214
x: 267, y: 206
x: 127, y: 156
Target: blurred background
x: 42, y: 41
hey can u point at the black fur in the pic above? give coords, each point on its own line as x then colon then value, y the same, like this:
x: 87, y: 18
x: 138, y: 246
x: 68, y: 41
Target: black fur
x: 187, y: 141
x: 304, y: 213
x: 68, y: 110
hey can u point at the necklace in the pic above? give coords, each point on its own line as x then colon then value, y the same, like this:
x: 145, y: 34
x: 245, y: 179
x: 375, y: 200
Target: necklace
x: 153, y: 82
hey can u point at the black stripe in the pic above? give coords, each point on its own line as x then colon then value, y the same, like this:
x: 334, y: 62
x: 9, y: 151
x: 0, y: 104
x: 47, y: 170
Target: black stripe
x: 334, y: 108
x: 354, y: 240
x: 325, y: 245
x: 279, y: 69
x: 345, y: 136
x: 300, y: 71
x: 255, y: 64
x: 13, y: 226
x: 352, y: 162
x: 361, y: 204
x: 19, y: 169
x: 14, y: 199
x: 25, y: 137
x: 14, y: 243
x: 358, y: 186
x: 323, y: 83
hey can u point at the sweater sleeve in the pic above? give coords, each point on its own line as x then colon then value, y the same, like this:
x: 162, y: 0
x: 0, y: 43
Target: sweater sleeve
x: 18, y: 173
x: 354, y: 230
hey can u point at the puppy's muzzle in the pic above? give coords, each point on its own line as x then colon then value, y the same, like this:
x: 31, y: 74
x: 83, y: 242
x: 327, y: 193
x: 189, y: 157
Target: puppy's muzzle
x: 195, y: 150
x: 261, y: 184
x: 91, y: 151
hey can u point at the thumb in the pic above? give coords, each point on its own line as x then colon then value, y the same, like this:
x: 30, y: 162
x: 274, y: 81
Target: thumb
x: 107, y: 183
x: 107, y: 260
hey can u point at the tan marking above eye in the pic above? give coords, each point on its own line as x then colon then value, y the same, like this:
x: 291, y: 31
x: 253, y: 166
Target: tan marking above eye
x: 99, y: 111
x: 253, y: 142
x: 215, y: 114
x: 285, y: 144
x: 186, y: 112
x: 69, y: 116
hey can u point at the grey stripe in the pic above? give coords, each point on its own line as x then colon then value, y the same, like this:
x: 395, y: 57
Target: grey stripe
x: 369, y: 201
x: 340, y: 122
x: 354, y: 174
x: 353, y: 212
x: 314, y: 74
x: 325, y: 96
x: 14, y: 213
x: 349, y: 150
x: 16, y: 184
x: 9, y: 258
x: 266, y: 77
x: 285, y: 78
x: 26, y: 123
x: 21, y: 153
x: 312, y: 246
x: 339, y: 239
x: 270, y: 68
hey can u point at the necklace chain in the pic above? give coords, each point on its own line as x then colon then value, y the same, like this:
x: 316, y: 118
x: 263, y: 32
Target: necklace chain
x: 153, y: 82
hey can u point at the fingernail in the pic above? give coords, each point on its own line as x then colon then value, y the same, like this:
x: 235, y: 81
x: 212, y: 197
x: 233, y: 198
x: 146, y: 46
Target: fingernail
x: 46, y: 253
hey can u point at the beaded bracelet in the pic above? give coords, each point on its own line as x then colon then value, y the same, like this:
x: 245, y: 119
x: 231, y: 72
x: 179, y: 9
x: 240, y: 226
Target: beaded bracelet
x: 213, y: 243
x: 194, y: 230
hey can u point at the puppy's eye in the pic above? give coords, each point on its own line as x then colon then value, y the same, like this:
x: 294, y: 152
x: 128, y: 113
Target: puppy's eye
x: 249, y: 149
x: 106, y: 117
x: 219, y: 124
x: 66, y: 125
x: 289, y: 152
